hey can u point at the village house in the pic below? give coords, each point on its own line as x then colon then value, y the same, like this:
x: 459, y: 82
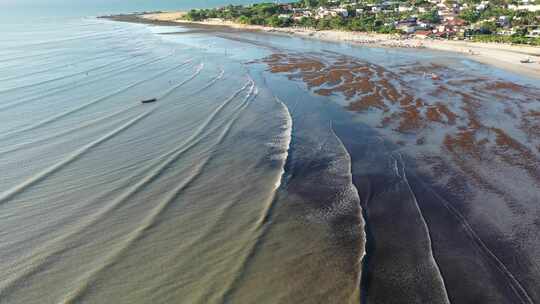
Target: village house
x: 482, y: 6
x: 423, y: 34
x: 376, y: 9
x: 404, y: 8
x: 322, y: 13
x: 446, y: 14
x: 503, y: 21
x: 507, y: 32
x: 407, y: 26
x: 339, y: 12
x: 407, y: 29
x: 534, y: 33
x: 527, y: 7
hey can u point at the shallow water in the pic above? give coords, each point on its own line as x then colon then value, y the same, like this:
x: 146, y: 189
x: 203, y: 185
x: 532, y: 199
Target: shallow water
x: 244, y: 184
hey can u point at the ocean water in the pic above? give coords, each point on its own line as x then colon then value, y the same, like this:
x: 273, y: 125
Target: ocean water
x: 255, y: 177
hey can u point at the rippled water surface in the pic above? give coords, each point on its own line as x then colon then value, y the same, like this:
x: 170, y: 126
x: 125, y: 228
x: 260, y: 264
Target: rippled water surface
x: 269, y: 170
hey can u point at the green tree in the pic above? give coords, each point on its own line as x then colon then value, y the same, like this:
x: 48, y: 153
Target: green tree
x: 488, y: 27
x: 431, y: 16
x: 310, y: 3
x: 243, y: 19
x: 469, y: 15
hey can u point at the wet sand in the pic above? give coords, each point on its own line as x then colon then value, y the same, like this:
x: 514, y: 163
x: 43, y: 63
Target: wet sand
x: 447, y: 127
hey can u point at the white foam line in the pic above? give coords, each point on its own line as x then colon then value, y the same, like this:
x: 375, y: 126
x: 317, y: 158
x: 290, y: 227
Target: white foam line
x: 213, y: 81
x: 403, y: 175
x: 363, y: 225
x: 287, y: 143
x: 518, y: 289
x: 197, y: 72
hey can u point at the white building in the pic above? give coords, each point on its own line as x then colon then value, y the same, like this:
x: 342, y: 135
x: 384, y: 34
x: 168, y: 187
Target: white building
x: 528, y: 7
x: 340, y: 12
x: 404, y: 8
x: 534, y: 33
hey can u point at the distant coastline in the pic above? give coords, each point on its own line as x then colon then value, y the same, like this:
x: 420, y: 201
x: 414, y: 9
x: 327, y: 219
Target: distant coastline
x: 503, y: 56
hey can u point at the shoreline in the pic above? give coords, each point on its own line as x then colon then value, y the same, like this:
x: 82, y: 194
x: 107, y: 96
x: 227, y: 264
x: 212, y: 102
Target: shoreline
x: 504, y: 56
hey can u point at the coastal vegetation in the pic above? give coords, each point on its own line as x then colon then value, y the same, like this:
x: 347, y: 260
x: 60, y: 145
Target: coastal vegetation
x: 488, y: 21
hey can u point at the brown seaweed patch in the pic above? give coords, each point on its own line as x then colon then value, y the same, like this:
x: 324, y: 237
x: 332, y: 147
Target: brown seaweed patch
x: 390, y: 92
x: 410, y: 119
x: 515, y: 153
x: 530, y: 124
x: 505, y: 85
x: 433, y: 114
x: 465, y: 143
x: 373, y: 101
x: 451, y: 117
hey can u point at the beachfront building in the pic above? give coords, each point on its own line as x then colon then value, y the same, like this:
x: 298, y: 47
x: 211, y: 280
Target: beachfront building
x: 339, y: 12
x: 322, y: 13
x: 423, y: 34
x: 404, y: 8
x: 503, y: 21
x: 507, y: 32
x: 376, y: 9
x: 407, y: 29
x: 534, y: 33
x: 526, y: 7
x: 482, y: 6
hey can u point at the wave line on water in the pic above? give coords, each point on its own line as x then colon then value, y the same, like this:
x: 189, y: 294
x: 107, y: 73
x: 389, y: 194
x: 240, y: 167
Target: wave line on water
x: 63, y: 77
x: 287, y: 143
x: 55, y: 68
x: 9, y: 194
x: 399, y: 170
x: 363, y: 224
x: 195, y: 74
x: 211, y: 82
x: 22, y: 46
x: 68, y: 86
x: 92, y: 102
x: 512, y: 281
x: 79, y: 293
x: 41, y: 257
x: 31, y: 56
x: 80, y: 127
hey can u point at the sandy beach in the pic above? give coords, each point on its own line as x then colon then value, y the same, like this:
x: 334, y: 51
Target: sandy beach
x: 504, y: 56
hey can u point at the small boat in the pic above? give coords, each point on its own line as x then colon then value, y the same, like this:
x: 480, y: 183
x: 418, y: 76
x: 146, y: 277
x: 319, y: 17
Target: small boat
x: 149, y: 100
x: 528, y: 60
